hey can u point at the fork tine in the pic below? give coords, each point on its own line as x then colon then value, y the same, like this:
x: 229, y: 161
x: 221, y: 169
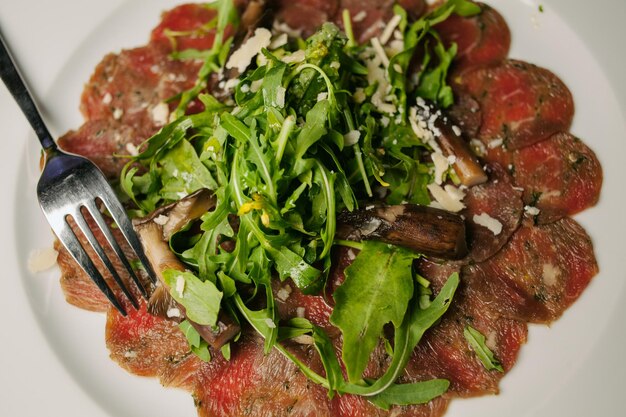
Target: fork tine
x: 84, y: 227
x: 97, y: 216
x: 66, y: 235
x: 120, y: 217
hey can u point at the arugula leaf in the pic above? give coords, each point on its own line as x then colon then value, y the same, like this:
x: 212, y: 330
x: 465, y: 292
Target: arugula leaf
x: 477, y: 341
x: 183, y: 173
x: 197, y: 345
x: 291, y: 265
x: 407, y: 336
x: 200, y: 299
x: 379, y: 273
x: 408, y: 394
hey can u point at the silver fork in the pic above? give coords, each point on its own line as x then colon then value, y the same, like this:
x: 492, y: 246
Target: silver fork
x: 71, y: 185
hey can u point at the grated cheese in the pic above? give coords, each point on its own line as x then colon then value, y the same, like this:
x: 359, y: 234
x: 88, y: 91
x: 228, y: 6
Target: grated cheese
x: 42, y: 259
x: 279, y: 41
x: 160, y: 114
x: 391, y: 26
x: 180, y: 285
x: 296, y: 57
x: 533, y: 211
x: 448, y: 199
x: 360, y: 16
x: 161, y: 220
x: 107, y: 98
x: 489, y: 222
x: 351, y: 138
x: 550, y: 274
x: 242, y: 57
x: 441, y: 166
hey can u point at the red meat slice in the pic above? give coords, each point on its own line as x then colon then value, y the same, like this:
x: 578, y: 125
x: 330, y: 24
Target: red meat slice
x: 103, y: 141
x: 377, y: 15
x: 521, y: 103
x: 144, y: 344
x: 445, y: 353
x: 539, y: 273
x: 126, y: 87
x: 561, y: 176
x: 78, y: 288
x: 499, y: 199
x: 184, y: 27
x: 465, y: 113
x: 482, y: 40
x: 306, y: 16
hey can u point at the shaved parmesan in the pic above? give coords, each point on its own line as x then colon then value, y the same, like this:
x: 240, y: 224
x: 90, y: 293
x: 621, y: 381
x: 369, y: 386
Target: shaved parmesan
x: 242, y: 57
x: 180, y: 285
x: 160, y: 114
x: 448, y: 198
x: 391, y: 26
x: 351, y: 138
x: 441, y: 166
x: 489, y: 222
x: 42, y: 259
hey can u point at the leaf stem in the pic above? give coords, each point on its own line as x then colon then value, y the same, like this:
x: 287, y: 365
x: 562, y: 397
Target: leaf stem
x: 283, y: 137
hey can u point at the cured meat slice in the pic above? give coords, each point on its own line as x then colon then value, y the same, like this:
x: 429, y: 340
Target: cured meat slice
x: 78, y: 288
x: 184, y: 27
x: 482, y: 40
x: 103, y: 142
x: 144, y: 344
x: 499, y: 200
x: 131, y: 87
x: 445, y: 353
x: 255, y: 384
x: 465, y: 113
x: 370, y: 17
x: 521, y: 103
x: 561, y: 176
x: 306, y: 16
x: 539, y: 273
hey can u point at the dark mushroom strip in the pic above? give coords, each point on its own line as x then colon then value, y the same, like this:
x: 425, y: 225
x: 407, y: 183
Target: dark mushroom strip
x: 154, y: 232
x: 426, y: 230
x: 466, y: 165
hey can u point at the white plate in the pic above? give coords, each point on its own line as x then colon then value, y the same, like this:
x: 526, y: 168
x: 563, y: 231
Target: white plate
x: 52, y: 356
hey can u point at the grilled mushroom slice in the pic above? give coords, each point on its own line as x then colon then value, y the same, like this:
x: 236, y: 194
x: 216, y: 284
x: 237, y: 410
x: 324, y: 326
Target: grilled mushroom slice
x: 426, y: 230
x: 154, y: 232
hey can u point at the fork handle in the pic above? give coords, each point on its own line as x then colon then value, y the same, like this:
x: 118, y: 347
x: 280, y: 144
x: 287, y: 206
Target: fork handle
x: 14, y: 82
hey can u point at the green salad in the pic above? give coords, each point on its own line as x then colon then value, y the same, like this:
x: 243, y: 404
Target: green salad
x: 310, y: 128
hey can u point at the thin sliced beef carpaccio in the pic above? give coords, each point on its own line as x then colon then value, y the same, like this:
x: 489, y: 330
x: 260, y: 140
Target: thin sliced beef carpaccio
x: 501, y: 201
x: 528, y: 272
x: 482, y: 40
x: 539, y: 273
x: 445, y: 352
x: 521, y: 103
x: 466, y: 114
x: 560, y: 176
x: 78, y: 288
x: 188, y: 22
x: 370, y: 17
x: 144, y: 344
x: 131, y: 87
x: 104, y: 142
x: 307, y: 15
